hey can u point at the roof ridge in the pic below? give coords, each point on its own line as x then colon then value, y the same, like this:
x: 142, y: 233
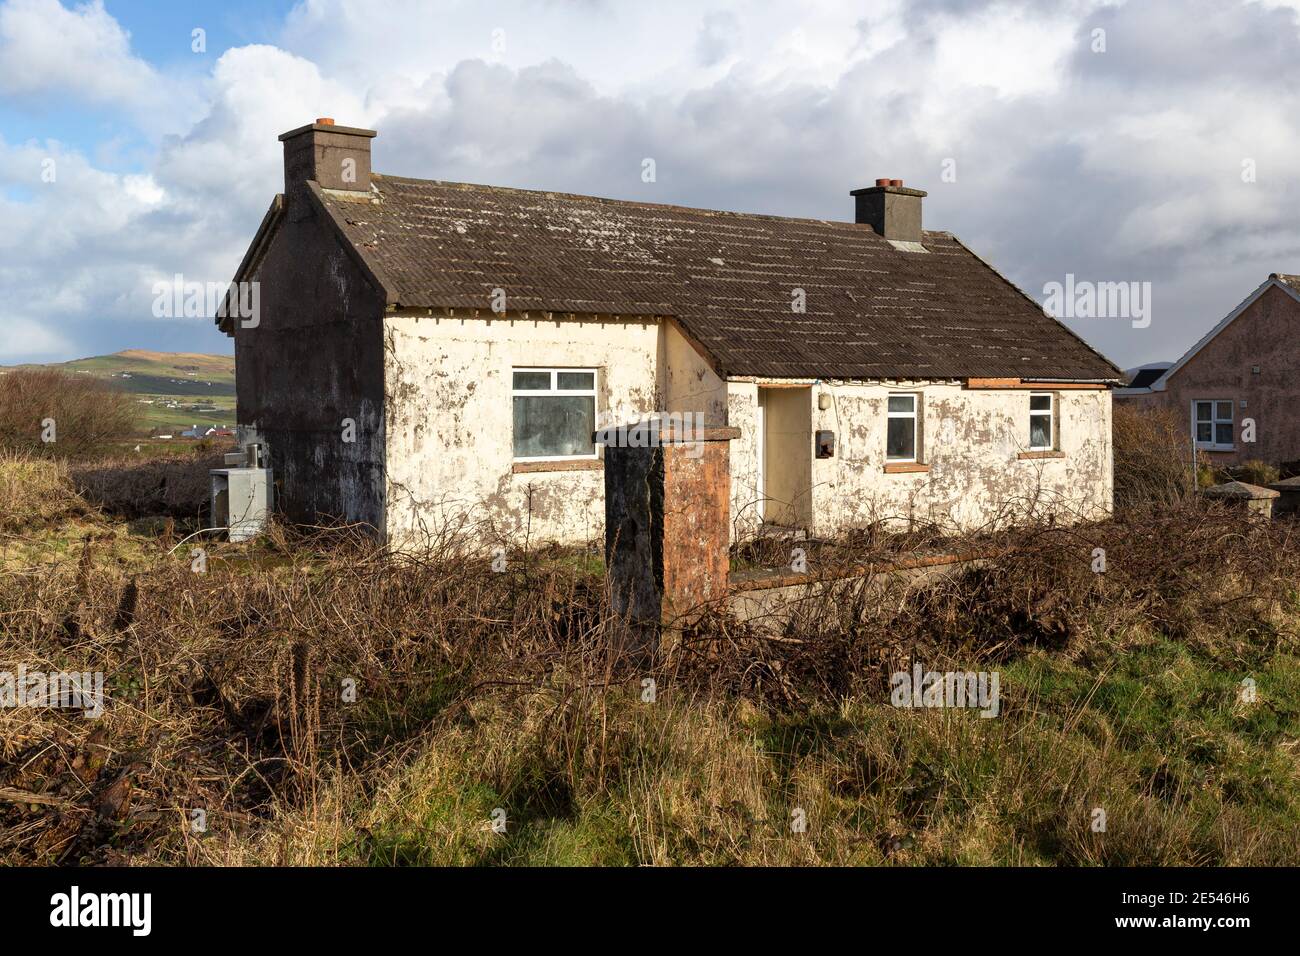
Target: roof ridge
x: 857, y: 226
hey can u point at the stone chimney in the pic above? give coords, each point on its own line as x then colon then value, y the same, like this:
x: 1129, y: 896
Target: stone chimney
x: 336, y: 157
x: 893, y: 210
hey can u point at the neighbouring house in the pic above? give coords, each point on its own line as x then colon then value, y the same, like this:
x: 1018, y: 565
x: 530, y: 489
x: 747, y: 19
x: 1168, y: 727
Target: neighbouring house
x: 427, y: 352
x: 1238, y: 386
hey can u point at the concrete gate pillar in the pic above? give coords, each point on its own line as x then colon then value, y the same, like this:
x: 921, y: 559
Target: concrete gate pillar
x: 667, y: 518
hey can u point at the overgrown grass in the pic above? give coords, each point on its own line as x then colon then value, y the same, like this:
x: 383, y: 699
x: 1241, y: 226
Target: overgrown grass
x: 1157, y: 740
x: 326, y: 702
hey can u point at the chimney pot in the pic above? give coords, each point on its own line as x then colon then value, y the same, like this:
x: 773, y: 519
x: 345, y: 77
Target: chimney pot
x: 882, y: 182
x: 895, y: 182
x: 324, y: 121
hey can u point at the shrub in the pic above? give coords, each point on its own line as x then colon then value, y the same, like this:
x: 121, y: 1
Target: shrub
x: 177, y: 485
x: 85, y: 412
x: 479, y: 689
x: 35, y: 492
x: 1153, y: 457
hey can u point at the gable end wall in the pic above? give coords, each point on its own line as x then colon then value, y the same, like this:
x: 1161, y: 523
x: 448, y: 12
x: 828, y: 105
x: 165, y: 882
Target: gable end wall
x: 1266, y: 334
x: 314, y: 359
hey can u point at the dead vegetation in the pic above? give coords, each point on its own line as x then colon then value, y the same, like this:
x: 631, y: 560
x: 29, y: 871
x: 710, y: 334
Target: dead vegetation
x: 36, y: 493
x: 319, y: 700
x: 1153, y: 457
x: 229, y: 692
x: 175, y: 485
x: 50, y: 413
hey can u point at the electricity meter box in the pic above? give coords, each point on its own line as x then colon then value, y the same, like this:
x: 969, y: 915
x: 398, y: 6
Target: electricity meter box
x: 241, y: 501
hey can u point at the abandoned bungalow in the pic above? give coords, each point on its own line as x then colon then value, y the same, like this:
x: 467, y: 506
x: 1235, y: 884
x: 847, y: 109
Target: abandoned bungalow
x: 1236, y: 388
x: 426, y: 352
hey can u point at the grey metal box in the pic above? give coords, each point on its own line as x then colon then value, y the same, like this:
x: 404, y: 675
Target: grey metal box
x: 241, y: 500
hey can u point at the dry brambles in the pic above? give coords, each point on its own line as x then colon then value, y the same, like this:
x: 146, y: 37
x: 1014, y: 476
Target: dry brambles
x: 317, y: 699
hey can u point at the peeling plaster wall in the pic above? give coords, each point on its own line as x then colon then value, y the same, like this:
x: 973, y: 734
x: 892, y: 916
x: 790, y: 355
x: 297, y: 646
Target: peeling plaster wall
x: 314, y: 359
x: 689, y: 382
x: 449, y: 455
x: 970, y: 438
x: 449, y: 422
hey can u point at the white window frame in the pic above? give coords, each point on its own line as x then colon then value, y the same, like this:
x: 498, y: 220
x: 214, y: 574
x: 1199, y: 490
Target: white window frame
x: 915, y: 416
x: 1214, y: 422
x: 553, y: 391
x: 1051, y: 420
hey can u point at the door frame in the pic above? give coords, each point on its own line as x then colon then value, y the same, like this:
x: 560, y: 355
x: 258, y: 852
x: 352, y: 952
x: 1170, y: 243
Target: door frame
x: 760, y: 440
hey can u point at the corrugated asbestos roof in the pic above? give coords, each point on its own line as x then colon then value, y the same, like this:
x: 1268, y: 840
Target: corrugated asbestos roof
x: 872, y: 311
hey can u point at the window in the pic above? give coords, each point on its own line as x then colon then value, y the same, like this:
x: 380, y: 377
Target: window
x: 1212, y: 421
x: 1042, y: 433
x: 900, y: 436
x: 554, y: 412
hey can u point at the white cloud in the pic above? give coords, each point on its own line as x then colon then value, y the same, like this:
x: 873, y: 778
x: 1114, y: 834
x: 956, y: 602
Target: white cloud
x: 232, y: 155
x: 47, y: 48
x: 22, y: 338
x: 1122, y: 165
x: 50, y: 53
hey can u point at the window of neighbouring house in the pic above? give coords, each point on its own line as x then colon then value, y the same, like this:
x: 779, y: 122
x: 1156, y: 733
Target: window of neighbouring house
x: 901, y: 431
x: 554, y: 412
x: 1212, y: 422
x: 1042, y: 425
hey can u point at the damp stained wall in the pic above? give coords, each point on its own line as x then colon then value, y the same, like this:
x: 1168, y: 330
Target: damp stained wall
x: 690, y: 383
x: 449, y: 421
x: 313, y: 360
x: 972, y: 441
x: 742, y: 413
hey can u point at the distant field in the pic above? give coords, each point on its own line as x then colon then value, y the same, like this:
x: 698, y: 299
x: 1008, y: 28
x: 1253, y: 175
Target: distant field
x: 174, y: 389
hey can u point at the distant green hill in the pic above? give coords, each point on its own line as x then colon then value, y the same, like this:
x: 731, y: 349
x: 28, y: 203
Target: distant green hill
x: 175, y: 389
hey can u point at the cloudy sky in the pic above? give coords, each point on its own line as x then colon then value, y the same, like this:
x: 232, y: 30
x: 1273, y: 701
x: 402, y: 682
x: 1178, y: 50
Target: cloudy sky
x: 1148, y: 141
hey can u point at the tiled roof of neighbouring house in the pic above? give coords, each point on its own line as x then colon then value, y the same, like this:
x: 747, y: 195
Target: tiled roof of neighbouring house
x: 872, y: 311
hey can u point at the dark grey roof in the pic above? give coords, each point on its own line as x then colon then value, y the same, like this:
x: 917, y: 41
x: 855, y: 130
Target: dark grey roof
x: 872, y: 311
x: 1145, y: 376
